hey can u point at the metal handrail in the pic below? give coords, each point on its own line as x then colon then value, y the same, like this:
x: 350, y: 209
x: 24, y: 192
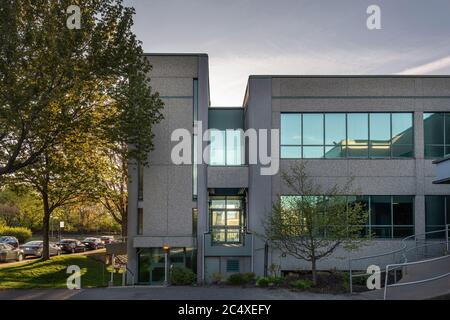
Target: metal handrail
x: 403, y: 250
x: 401, y: 265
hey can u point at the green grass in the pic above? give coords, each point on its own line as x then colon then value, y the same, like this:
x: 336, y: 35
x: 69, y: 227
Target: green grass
x: 52, y: 273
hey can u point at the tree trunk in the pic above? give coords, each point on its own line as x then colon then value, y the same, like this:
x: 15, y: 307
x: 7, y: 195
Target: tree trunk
x: 46, y: 227
x: 124, y: 225
x: 314, y: 271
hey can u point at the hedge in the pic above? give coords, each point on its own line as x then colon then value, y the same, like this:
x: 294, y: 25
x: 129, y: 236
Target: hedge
x: 22, y: 234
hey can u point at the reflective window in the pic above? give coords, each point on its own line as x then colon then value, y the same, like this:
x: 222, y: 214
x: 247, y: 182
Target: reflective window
x: 347, y: 135
x: 335, y: 135
x: 313, y: 129
x: 380, y: 135
x: 357, y: 135
x: 389, y: 216
x: 402, y: 135
x: 437, y: 215
x: 226, y: 214
x: 436, y: 134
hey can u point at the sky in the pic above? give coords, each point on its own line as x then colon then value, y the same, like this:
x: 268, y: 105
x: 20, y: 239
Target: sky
x: 296, y: 37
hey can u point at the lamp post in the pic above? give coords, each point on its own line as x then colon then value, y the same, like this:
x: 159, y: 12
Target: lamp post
x: 166, y: 249
x: 61, y: 226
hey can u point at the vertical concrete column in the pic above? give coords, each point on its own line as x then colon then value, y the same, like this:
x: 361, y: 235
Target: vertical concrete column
x: 259, y: 116
x: 132, y: 219
x: 419, y: 213
x: 202, y: 179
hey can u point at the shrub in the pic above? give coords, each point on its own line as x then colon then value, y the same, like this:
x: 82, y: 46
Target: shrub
x: 217, y: 277
x: 262, y: 282
x: 241, y: 278
x: 22, y: 234
x: 182, y: 276
x: 302, y: 284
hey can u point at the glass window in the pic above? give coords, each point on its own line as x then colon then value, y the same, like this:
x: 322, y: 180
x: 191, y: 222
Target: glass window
x: 217, y: 148
x: 402, y: 128
x: 435, y: 212
x: 226, y: 218
x: 435, y: 134
x: 234, y: 147
x: 140, y: 221
x: 357, y: 135
x: 291, y: 152
x: 313, y: 129
x: 140, y: 181
x: 341, y: 135
x: 381, y: 216
x: 291, y: 129
x: 380, y: 135
x: 403, y: 216
x: 335, y: 129
x: 312, y: 152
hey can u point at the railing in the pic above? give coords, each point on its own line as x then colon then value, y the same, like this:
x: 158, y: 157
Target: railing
x: 421, y: 259
x: 402, y: 255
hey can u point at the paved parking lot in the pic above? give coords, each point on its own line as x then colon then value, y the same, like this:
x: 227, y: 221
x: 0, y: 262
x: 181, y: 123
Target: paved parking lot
x: 168, y: 293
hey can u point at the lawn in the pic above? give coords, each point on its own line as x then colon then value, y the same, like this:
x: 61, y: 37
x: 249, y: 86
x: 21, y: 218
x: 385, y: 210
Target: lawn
x: 52, y: 273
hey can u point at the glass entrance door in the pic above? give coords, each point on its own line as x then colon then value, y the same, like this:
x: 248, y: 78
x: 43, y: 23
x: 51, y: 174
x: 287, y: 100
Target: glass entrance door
x: 152, y: 266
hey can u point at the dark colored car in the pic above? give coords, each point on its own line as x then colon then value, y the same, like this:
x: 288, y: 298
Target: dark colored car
x: 12, y: 241
x: 8, y: 252
x: 107, y: 239
x: 93, y: 243
x: 35, y: 248
x: 71, y: 246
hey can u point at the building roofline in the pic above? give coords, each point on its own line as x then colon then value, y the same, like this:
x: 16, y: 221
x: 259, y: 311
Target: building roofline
x: 165, y: 54
x: 346, y: 76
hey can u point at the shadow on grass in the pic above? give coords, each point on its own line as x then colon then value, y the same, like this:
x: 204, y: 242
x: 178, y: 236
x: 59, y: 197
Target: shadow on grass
x: 52, y: 273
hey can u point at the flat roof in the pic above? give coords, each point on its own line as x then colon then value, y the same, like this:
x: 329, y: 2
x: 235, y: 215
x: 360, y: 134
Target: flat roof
x: 347, y: 76
x: 177, y: 54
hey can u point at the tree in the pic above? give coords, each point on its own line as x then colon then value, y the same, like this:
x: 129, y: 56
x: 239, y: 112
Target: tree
x: 115, y: 186
x: 56, y: 81
x: 62, y: 177
x: 315, y: 221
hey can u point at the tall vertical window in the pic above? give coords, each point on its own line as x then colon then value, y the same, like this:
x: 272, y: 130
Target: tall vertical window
x: 437, y: 134
x: 346, y: 135
x: 140, y: 181
x: 291, y: 135
x: 335, y: 135
x: 194, y: 221
x: 140, y: 221
x: 437, y: 214
x: 226, y: 136
x: 195, y: 142
x: 226, y: 218
x: 313, y: 135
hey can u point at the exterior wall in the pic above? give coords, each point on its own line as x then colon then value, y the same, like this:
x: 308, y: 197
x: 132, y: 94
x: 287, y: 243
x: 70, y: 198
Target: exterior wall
x: 167, y: 194
x: 372, y: 176
x: 167, y: 189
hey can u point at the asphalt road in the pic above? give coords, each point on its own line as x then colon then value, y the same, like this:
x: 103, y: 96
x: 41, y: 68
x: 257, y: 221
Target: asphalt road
x: 168, y: 293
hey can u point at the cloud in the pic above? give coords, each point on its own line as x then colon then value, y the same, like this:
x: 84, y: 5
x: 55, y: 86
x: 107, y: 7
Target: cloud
x: 428, y: 67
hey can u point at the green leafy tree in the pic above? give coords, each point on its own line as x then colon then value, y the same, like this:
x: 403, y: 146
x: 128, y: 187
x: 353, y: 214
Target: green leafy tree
x: 57, y: 82
x: 315, y: 221
x: 62, y: 177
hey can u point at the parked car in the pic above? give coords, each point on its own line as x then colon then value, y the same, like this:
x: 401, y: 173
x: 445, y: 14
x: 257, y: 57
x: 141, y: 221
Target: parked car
x: 8, y: 252
x: 12, y: 241
x: 107, y: 239
x: 93, y: 243
x: 71, y: 246
x: 35, y: 248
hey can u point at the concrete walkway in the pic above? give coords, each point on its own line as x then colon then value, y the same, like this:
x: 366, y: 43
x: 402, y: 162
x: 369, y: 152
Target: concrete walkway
x: 168, y: 293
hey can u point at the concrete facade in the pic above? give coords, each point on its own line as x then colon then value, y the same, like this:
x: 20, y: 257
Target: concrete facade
x: 168, y: 200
